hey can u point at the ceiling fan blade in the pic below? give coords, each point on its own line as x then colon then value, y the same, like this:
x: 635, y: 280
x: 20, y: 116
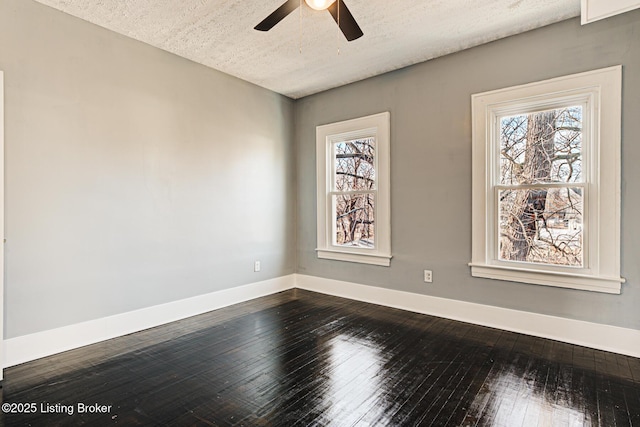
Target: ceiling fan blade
x: 345, y: 20
x: 278, y: 15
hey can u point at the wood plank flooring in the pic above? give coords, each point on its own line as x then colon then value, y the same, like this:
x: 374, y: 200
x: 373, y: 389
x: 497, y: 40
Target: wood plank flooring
x: 299, y: 358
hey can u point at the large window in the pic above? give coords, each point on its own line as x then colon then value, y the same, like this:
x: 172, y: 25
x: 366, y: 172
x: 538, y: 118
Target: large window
x: 546, y: 182
x: 353, y: 190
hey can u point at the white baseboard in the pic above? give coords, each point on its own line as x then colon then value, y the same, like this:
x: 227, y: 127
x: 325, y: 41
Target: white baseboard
x: 41, y: 344
x: 587, y: 334
x: 34, y: 346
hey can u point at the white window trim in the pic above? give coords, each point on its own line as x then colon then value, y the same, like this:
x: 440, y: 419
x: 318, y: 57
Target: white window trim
x: 595, y: 10
x: 601, y: 90
x: 378, y: 125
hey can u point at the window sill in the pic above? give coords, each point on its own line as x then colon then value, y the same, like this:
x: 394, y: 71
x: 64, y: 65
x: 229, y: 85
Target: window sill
x: 374, y: 259
x: 610, y: 285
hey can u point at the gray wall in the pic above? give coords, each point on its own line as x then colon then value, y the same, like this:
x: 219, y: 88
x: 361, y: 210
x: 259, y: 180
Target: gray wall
x: 133, y: 177
x: 431, y: 166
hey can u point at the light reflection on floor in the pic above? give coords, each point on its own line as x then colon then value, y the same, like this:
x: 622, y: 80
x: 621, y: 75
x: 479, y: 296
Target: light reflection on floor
x: 512, y: 401
x: 355, y: 379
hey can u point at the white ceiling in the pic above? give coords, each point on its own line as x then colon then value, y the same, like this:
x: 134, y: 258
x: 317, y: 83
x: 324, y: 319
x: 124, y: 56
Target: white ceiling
x: 305, y: 53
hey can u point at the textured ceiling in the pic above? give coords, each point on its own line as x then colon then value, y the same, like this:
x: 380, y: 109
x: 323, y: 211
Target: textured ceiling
x: 305, y: 53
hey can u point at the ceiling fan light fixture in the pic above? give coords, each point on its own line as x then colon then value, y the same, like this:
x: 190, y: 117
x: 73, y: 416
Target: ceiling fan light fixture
x: 319, y: 4
x: 336, y: 8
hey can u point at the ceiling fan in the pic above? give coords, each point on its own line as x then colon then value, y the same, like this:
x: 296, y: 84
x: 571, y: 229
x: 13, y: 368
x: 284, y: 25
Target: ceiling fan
x: 336, y: 8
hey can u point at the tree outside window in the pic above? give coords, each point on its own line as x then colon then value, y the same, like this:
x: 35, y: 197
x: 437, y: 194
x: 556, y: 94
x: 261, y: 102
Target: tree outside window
x: 541, y: 188
x: 354, y: 193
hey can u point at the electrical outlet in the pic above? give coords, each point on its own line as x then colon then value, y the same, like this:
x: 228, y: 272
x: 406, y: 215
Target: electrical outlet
x: 256, y: 266
x: 428, y: 276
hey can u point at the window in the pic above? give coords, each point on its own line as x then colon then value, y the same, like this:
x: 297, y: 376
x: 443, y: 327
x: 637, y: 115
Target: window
x: 353, y: 190
x: 546, y: 182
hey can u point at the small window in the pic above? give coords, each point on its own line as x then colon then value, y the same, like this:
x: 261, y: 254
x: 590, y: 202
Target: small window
x: 353, y: 190
x: 546, y: 182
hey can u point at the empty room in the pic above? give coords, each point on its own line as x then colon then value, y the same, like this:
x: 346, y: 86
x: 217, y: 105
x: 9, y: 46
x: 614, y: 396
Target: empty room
x: 320, y: 213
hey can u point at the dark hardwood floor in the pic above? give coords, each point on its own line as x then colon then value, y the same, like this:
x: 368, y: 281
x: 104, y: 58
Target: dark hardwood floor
x: 299, y: 358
